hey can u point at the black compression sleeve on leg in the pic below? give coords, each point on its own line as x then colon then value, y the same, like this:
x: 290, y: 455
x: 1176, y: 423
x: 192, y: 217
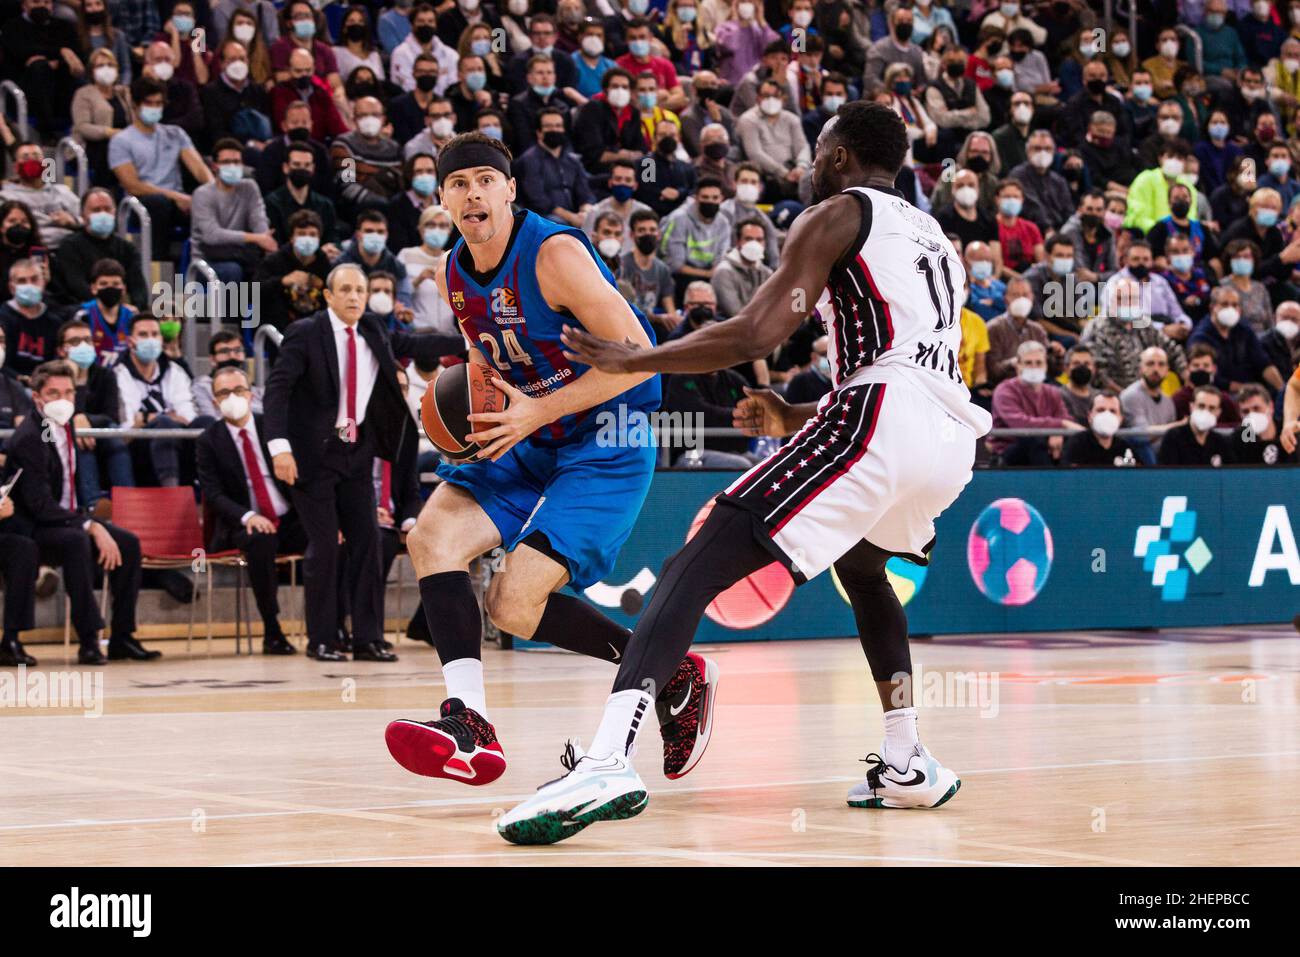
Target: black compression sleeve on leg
x: 882, y: 623
x: 575, y: 625
x: 451, y: 610
x: 723, y: 552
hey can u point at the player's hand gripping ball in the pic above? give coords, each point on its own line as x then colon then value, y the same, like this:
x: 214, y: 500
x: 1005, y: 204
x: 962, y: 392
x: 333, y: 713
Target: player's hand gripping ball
x: 445, y: 408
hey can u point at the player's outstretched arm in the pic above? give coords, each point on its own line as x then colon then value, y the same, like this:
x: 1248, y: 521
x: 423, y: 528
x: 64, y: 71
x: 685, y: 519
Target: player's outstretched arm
x: 1291, y: 414
x: 817, y: 239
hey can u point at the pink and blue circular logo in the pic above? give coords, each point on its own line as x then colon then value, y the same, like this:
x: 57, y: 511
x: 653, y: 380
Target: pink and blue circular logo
x: 1010, y: 552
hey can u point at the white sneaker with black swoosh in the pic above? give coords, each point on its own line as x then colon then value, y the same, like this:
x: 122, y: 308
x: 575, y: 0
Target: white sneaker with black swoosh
x: 923, y: 783
x: 594, y: 789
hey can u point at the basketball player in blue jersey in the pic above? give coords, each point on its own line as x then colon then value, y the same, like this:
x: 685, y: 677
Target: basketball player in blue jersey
x: 867, y: 470
x: 542, y: 486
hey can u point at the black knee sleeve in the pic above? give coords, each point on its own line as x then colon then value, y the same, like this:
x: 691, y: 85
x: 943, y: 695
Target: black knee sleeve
x: 882, y: 623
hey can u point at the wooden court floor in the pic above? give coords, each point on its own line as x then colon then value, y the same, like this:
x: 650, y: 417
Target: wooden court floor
x: 1109, y: 748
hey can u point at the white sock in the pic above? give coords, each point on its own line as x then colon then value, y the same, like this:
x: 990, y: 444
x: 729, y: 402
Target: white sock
x: 464, y: 678
x: 900, y: 737
x: 626, y: 713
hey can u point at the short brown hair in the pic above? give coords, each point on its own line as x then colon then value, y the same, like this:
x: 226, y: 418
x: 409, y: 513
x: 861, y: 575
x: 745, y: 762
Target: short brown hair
x: 54, y: 369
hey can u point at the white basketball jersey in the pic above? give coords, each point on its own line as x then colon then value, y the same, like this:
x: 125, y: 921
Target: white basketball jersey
x: 894, y: 308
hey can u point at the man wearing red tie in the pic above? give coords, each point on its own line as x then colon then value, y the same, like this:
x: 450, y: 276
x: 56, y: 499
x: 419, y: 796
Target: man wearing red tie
x: 44, y: 447
x: 333, y: 404
x: 250, y: 506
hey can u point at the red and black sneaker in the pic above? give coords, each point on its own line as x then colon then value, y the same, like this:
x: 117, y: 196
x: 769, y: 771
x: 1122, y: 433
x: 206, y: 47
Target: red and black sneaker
x: 460, y: 745
x: 685, y: 712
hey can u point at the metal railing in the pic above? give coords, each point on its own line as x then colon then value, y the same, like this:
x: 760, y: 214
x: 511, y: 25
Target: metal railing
x: 1198, y: 53
x: 10, y: 89
x: 130, y: 206
x: 213, y: 310
x: 69, y: 145
x: 260, y: 363
x: 127, y: 433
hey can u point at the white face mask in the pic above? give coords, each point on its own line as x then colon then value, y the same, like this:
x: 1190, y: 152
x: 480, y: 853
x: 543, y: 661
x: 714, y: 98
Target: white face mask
x: 244, y: 33
x: 1121, y: 49
x: 163, y: 71
x: 1105, y: 424
x: 1173, y: 168
x: 1257, y: 422
x: 610, y: 247
x: 1203, y: 420
x: 1169, y: 49
x: 593, y: 45
x: 771, y: 105
x: 1020, y: 307
x: 1288, y: 328
x: 237, y: 70
x: 105, y: 75
x: 619, y: 97
x: 1041, y: 159
x: 60, y: 412
x: 752, y: 250
x: 745, y: 11
x: 1023, y: 113
x: 747, y: 193
x: 442, y: 128
x: 234, y: 407
x: 369, y: 125
x: 518, y: 7
x: 1035, y: 376
x: 381, y: 302
x: 1228, y: 316
x: 801, y: 18
x: 966, y: 196
x: 1169, y: 127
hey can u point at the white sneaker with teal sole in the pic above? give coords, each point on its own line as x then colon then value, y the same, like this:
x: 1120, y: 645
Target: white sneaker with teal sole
x: 923, y: 783
x: 595, y: 789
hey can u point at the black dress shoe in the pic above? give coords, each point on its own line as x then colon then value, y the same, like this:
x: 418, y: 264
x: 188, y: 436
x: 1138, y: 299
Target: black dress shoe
x: 324, y: 653
x: 278, y: 645
x: 344, y: 641
x: 178, y: 585
x: 372, y: 652
x: 91, y: 655
x: 12, y: 654
x: 120, y: 649
x: 385, y: 644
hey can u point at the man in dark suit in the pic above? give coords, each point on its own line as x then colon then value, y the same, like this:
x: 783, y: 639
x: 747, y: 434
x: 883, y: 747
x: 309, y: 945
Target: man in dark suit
x: 44, y: 447
x: 250, y: 506
x: 332, y: 405
x: 19, y: 562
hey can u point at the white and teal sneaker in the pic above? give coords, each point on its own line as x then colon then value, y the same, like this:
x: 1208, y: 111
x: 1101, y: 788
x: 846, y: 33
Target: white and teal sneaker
x: 923, y: 783
x: 594, y: 789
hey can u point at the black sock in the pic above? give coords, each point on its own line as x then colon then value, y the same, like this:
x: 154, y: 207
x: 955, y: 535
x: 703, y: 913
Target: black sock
x: 451, y: 612
x: 570, y: 623
x: 882, y: 623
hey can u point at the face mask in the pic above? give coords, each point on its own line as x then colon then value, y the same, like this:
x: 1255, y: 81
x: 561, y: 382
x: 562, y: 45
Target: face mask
x: 306, y: 29
x: 981, y: 269
x: 170, y: 329
x: 183, y: 25
x: 492, y: 132
x: 381, y: 302
x: 545, y: 51
x: 1243, y: 267
x: 966, y: 196
x: 832, y: 103
x: 151, y: 115
x: 977, y: 164
x: 1266, y: 134
x: 1169, y: 49
x: 60, y: 412
x: 354, y: 32
x: 593, y: 45
x: 1033, y: 376
x: 698, y: 315
x: 1288, y: 328
x: 369, y: 125
x: 1279, y: 167
x: 903, y: 31
x: 1172, y: 168
x: 234, y: 408
x: 1169, y: 127
x: 1006, y: 78
x: 148, y: 350
x: 237, y: 71
x: 1218, y: 131
x: 716, y: 151
x: 1290, y: 64
x: 1062, y: 265
x: 230, y: 174
x: 668, y: 145
x: 771, y: 105
x: 305, y: 246
x: 1257, y: 422
x: 475, y: 81
x: 708, y: 210
x: 435, y: 238
x: 105, y: 75
x: 299, y: 134
x: 1105, y: 424
x: 543, y: 90
x: 955, y: 70
x: 1265, y: 218
x: 752, y: 250
x: 163, y: 71
x: 747, y: 193
x: 1120, y: 49
x: 639, y: 48
x: 30, y: 169
x: 1214, y: 20
x: 1096, y: 87
x: 1113, y: 221
x: 110, y: 295
x: 481, y: 47
x: 469, y: 6
x: 801, y: 18
x: 1086, y: 51
x: 648, y: 244
x: 83, y: 354
x: 609, y: 247
x: 903, y: 87
x: 1180, y: 208
x: 745, y: 11
x: 518, y: 7
x: 1203, y: 420
x: 1080, y: 376
x: 1261, y: 8
x: 1252, y: 93
x: 424, y: 183
x: 686, y: 14
x: 1199, y: 377
x: 425, y: 82
x: 244, y: 33
x: 639, y: 7
x: 18, y: 235
x: 1142, y: 92
x: 1010, y: 10
x: 1139, y: 272
x: 619, y: 97
x: 1182, y: 263
x: 553, y: 139
x: 622, y: 192
x: 1022, y: 114
x: 299, y: 177
x: 373, y: 243
x: 29, y: 294
x: 1019, y: 308
x: 1228, y: 316
x: 1010, y: 206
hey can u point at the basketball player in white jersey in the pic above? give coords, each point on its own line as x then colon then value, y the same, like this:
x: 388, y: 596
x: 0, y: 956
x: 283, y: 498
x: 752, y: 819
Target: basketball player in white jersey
x: 863, y: 478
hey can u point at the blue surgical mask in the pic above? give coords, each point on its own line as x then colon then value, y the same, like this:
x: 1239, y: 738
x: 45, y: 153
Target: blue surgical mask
x: 29, y: 294
x: 1006, y: 78
x: 981, y: 269
x: 493, y: 132
x: 424, y: 184
x: 1182, y: 262
x: 373, y: 243
x: 1279, y: 167
x: 1214, y: 20
x: 1243, y: 267
x: 151, y: 115
x: 622, y: 192
x: 476, y: 80
x: 648, y: 101
x: 1265, y: 218
x: 101, y: 224
x: 639, y: 48
x: 230, y: 174
x: 83, y: 354
x: 832, y: 103
x: 543, y: 91
x: 435, y: 238
x: 148, y: 350
x: 183, y: 24
x: 686, y: 14
x: 304, y: 29
x: 306, y: 246
x: 1010, y: 206
x: 481, y: 47
x: 545, y: 51
x: 1218, y: 131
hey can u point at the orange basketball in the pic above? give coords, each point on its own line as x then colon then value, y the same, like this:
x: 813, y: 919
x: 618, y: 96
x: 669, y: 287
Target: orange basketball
x: 444, y: 410
x: 753, y: 600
